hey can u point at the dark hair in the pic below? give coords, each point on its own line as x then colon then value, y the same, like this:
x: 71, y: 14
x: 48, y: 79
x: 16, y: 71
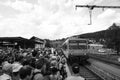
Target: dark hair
x: 34, y: 53
x: 18, y: 58
x: 39, y: 63
x: 32, y: 62
x: 75, y: 68
x: 15, y: 73
x: 25, y: 71
x: 25, y: 61
x: 54, y: 70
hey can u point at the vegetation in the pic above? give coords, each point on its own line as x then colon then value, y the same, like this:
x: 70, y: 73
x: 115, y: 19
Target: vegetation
x: 113, y: 39
x: 110, y: 37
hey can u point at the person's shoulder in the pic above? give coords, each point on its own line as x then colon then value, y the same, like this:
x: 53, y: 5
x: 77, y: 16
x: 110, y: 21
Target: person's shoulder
x: 46, y: 78
x: 81, y: 78
x: 74, y: 78
x: 38, y: 77
x: 69, y: 78
x: 5, y: 77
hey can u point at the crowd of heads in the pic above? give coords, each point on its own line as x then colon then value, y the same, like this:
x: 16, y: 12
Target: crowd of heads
x: 32, y: 64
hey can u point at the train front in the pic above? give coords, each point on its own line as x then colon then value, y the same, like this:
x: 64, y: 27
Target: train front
x: 78, y: 50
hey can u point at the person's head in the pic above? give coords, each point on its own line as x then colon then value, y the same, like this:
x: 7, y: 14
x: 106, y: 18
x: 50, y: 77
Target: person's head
x: 39, y: 64
x: 7, y: 68
x: 26, y: 72
x: 34, y: 53
x: 54, y: 63
x: 32, y: 62
x: 75, y: 68
x: 54, y: 70
x: 53, y: 57
x: 25, y: 61
x: 15, y: 68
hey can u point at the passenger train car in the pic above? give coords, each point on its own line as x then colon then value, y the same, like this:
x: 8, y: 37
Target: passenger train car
x: 75, y: 50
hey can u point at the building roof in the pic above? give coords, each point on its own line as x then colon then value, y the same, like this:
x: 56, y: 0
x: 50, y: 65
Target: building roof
x: 37, y: 40
x: 13, y: 39
x: 21, y: 40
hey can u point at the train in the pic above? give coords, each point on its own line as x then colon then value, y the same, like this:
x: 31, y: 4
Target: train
x: 76, y: 50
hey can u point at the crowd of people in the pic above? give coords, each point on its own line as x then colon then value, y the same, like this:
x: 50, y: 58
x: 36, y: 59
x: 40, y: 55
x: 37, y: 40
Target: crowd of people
x: 35, y: 64
x: 32, y: 64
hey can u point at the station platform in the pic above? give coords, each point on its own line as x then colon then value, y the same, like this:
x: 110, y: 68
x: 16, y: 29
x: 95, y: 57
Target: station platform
x: 69, y: 72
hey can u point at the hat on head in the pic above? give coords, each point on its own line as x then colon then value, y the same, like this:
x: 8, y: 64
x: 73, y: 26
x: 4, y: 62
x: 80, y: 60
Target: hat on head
x: 75, y: 68
x: 7, y: 67
x: 54, y: 57
x: 54, y: 63
x: 5, y: 62
x: 16, y: 67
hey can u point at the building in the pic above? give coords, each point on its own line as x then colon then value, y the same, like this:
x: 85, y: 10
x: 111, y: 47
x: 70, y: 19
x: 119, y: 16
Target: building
x: 16, y: 42
x: 20, y: 42
x: 38, y: 43
x: 94, y: 48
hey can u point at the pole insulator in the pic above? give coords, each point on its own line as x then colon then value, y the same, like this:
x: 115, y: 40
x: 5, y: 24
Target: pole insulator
x: 90, y: 12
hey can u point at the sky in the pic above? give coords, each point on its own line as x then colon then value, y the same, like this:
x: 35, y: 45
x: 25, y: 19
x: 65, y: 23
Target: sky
x: 54, y: 19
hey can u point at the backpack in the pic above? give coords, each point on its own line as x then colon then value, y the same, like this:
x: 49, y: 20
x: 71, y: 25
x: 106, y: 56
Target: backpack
x: 35, y: 73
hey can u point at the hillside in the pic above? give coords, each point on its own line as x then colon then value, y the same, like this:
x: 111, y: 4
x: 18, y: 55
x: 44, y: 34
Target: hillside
x: 101, y: 34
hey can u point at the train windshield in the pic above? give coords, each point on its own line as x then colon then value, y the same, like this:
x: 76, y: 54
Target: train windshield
x: 78, y: 41
x: 78, y: 44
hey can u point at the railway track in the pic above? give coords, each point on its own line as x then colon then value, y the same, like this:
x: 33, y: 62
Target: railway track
x: 105, y: 60
x: 86, y: 73
x: 105, y: 70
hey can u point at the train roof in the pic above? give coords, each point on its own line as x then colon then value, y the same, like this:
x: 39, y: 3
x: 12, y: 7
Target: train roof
x: 66, y: 41
x: 76, y: 39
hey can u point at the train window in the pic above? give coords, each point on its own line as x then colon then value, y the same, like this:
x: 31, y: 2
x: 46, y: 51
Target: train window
x: 64, y: 47
x: 77, y: 46
x: 82, y: 47
x: 78, y: 41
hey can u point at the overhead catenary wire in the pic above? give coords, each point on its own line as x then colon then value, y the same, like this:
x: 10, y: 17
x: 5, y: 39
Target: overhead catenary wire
x: 95, y: 6
x: 91, y: 7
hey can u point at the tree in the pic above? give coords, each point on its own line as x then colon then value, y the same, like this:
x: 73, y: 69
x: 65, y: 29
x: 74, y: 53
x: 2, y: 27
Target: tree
x: 113, y: 38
